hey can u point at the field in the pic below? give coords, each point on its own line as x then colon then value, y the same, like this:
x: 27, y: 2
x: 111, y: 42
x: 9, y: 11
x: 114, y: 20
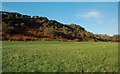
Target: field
x: 55, y: 56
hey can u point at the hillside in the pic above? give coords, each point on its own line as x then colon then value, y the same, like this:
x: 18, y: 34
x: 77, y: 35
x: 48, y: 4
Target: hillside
x: 18, y: 27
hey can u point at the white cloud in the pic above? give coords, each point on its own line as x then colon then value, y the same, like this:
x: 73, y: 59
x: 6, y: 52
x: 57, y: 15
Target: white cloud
x: 90, y: 14
x: 94, y: 14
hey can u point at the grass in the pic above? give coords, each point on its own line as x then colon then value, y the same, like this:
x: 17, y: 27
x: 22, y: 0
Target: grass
x: 55, y: 56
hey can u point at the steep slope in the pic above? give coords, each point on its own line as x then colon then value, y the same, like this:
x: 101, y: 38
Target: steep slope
x: 18, y: 27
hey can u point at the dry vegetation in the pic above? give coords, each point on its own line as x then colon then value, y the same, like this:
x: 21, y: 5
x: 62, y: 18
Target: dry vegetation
x: 18, y: 27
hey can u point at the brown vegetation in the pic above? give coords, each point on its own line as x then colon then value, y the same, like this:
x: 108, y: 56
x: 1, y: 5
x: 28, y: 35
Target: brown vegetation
x: 18, y: 27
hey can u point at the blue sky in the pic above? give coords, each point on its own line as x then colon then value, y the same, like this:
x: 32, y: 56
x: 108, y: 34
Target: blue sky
x: 96, y: 17
x: 60, y: 0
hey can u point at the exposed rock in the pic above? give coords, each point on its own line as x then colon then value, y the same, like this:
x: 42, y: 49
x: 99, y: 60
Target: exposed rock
x: 18, y: 27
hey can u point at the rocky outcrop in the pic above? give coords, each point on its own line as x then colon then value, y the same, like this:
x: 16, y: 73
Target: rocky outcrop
x: 18, y: 27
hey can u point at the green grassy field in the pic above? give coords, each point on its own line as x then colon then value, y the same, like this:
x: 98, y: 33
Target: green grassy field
x: 54, y: 56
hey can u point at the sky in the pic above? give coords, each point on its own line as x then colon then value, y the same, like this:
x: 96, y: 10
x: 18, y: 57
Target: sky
x: 60, y: 0
x: 96, y: 17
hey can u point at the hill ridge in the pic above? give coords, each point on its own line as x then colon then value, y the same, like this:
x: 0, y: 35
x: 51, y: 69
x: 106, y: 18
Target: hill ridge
x: 18, y: 27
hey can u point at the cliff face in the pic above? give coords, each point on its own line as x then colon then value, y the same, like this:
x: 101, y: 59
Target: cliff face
x: 18, y: 27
